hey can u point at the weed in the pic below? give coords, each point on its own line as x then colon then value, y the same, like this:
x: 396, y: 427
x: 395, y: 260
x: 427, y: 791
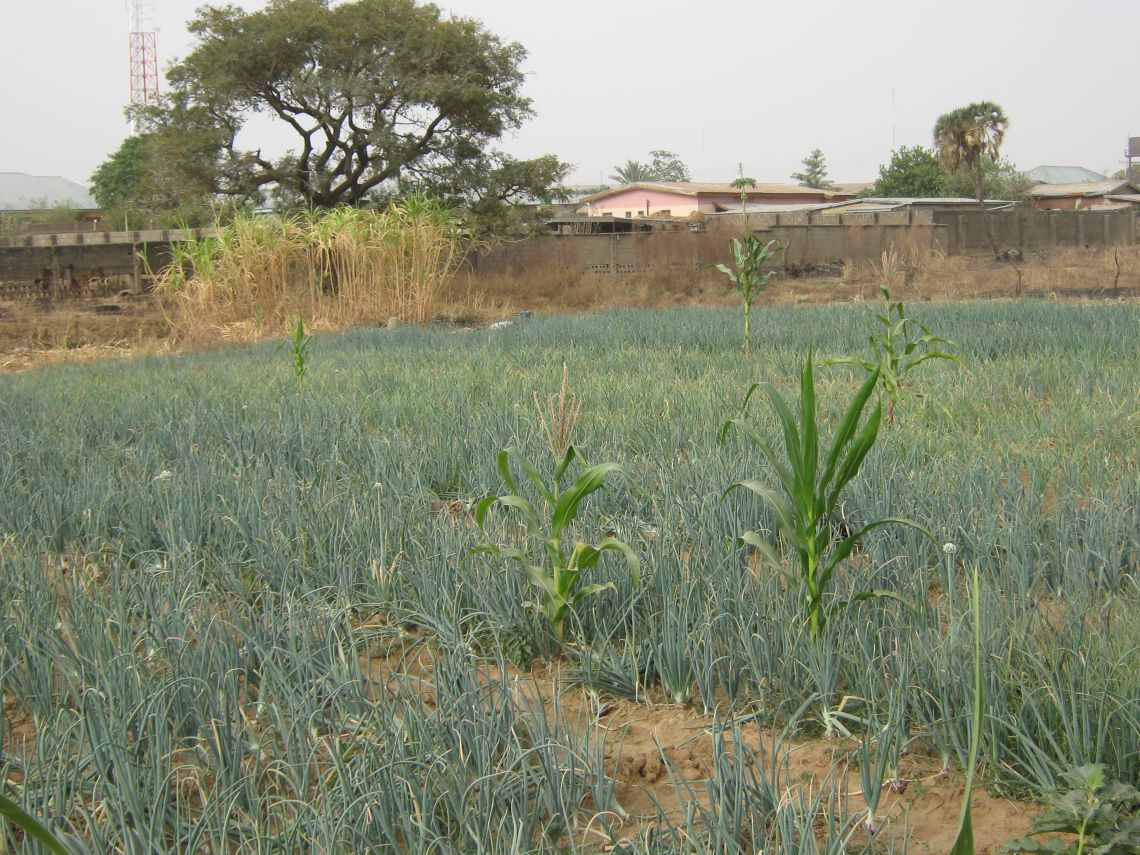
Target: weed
x: 1103, y: 816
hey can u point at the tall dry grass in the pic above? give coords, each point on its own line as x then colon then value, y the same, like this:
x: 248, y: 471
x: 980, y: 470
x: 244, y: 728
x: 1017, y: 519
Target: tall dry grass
x: 335, y: 268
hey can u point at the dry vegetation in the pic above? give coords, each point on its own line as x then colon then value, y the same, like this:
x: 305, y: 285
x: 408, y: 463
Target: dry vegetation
x: 34, y: 332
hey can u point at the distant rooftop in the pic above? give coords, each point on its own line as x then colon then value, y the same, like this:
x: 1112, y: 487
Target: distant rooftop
x: 22, y: 192
x: 1083, y: 188
x: 694, y: 188
x: 1063, y: 175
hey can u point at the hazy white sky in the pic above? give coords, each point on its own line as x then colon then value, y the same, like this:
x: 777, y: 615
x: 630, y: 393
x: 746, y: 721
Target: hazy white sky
x: 718, y: 81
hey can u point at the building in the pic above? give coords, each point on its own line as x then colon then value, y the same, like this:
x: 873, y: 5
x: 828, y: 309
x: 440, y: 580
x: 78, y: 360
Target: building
x: 680, y: 199
x: 1063, y: 175
x: 22, y: 192
x: 1084, y: 195
x: 31, y: 203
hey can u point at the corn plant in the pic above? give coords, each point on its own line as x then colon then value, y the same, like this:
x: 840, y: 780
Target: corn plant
x: 299, y: 346
x: 903, y: 345
x: 808, y: 498
x: 552, y: 566
x: 750, y: 257
x: 558, y: 415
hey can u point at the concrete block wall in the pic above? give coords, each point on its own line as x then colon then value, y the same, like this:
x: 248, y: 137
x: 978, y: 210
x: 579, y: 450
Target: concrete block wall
x: 1030, y: 230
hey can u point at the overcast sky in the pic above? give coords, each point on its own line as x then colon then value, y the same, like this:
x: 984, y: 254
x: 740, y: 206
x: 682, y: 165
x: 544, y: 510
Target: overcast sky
x: 721, y: 82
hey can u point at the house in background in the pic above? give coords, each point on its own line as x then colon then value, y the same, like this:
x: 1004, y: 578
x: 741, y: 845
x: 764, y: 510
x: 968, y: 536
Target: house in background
x: 45, y: 202
x: 1104, y: 195
x: 681, y: 199
x: 1063, y: 175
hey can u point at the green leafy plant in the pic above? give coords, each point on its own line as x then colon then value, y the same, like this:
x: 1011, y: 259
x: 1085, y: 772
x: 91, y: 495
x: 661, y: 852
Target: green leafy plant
x: 903, y: 345
x: 31, y: 826
x: 299, y: 346
x: 808, y: 497
x: 751, y: 256
x: 553, y: 566
x: 1103, y: 815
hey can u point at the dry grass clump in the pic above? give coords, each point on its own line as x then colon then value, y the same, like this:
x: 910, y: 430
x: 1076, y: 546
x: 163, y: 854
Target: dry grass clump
x: 333, y: 268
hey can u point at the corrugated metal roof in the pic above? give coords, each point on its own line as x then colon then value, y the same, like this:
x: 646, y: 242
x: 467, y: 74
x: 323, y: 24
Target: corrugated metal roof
x: 22, y: 192
x: 694, y: 188
x: 1082, y: 188
x: 1063, y: 175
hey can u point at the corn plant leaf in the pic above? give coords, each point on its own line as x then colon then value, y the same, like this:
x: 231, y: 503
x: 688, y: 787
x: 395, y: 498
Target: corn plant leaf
x: 482, y: 508
x: 585, y: 591
x: 810, y: 439
x: 761, y: 545
x: 843, y: 548
x: 543, y: 580
x: 504, y: 458
x: 531, y: 474
x: 848, y: 426
x: 791, y: 438
x: 31, y: 826
x: 563, y: 465
x: 785, y: 514
x: 631, y: 559
x: 525, y: 507
x: 566, y: 508
x: 859, y: 447
x: 770, y: 453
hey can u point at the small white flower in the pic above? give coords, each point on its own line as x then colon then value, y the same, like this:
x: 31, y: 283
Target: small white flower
x: 949, y: 548
x: 164, y: 475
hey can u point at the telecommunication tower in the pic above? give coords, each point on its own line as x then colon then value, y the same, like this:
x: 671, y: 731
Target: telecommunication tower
x: 144, y: 55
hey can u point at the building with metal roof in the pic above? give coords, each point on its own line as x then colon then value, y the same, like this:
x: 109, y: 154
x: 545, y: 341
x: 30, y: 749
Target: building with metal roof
x: 1063, y: 175
x: 22, y: 192
x: 1082, y: 195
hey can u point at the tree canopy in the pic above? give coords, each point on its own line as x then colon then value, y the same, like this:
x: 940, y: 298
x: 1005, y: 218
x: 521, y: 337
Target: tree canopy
x: 964, y: 137
x: 913, y: 171
x: 380, y: 97
x: 815, y: 172
x: 664, y: 166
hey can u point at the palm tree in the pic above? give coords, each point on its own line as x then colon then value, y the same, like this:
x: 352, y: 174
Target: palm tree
x: 632, y: 173
x: 965, y: 136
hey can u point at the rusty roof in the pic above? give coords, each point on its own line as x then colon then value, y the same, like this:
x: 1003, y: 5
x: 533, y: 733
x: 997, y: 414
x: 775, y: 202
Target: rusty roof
x: 1083, y: 188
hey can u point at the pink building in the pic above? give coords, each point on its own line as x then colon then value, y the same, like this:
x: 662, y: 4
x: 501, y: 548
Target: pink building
x: 680, y: 199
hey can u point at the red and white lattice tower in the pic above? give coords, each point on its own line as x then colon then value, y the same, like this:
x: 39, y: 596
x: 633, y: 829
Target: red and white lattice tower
x: 144, y: 55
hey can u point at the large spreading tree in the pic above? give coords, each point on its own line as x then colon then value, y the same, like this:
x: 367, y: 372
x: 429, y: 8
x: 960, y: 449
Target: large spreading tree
x: 380, y: 98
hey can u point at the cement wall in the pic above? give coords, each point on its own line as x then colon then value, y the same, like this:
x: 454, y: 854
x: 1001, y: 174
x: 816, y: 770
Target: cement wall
x: 60, y: 265
x: 808, y: 243
x: 1028, y: 230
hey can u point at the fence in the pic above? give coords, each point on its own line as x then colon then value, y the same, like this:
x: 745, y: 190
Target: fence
x: 809, y: 242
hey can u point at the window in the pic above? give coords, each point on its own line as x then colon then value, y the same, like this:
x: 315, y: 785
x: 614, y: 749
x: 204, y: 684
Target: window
x: 628, y: 214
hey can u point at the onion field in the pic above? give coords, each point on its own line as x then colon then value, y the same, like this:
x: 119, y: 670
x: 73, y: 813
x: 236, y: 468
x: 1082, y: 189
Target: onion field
x: 247, y: 612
